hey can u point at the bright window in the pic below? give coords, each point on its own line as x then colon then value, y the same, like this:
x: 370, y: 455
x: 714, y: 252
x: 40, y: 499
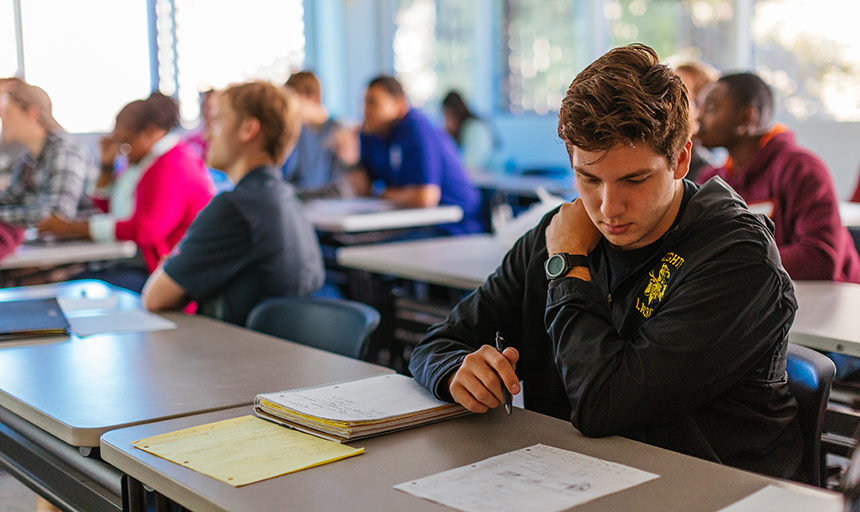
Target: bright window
x: 220, y: 42
x: 90, y: 57
x: 434, y: 48
x: 679, y: 30
x: 544, y: 45
x: 8, y: 52
x: 809, y: 52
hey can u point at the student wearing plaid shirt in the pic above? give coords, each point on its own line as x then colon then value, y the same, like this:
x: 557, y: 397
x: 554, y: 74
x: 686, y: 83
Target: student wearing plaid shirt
x: 50, y: 178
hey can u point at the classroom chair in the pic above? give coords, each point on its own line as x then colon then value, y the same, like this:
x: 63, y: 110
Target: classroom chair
x: 336, y: 325
x: 810, y: 377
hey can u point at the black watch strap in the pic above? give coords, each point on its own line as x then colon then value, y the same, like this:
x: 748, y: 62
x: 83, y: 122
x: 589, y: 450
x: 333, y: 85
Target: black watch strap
x: 559, y: 264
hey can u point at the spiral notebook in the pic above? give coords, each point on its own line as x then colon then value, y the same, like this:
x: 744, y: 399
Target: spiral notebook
x: 356, y: 409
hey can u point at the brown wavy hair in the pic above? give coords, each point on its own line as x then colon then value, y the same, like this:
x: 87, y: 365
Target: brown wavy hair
x: 277, y: 109
x: 626, y: 97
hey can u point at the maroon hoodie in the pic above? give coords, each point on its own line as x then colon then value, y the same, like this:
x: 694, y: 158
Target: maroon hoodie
x: 794, y: 188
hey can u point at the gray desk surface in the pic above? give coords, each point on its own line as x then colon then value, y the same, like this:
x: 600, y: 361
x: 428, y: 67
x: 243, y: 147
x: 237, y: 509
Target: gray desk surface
x: 357, y: 215
x: 364, y: 483
x: 526, y: 185
x: 828, y: 316
x: 459, y: 262
x: 61, y: 253
x: 76, y: 389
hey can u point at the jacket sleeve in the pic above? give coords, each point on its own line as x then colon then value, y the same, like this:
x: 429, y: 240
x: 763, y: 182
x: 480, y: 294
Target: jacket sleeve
x: 708, y: 331
x: 495, y: 306
x: 812, y: 223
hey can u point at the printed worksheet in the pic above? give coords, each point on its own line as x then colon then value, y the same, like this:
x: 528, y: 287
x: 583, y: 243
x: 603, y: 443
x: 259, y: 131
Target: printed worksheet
x: 539, y: 478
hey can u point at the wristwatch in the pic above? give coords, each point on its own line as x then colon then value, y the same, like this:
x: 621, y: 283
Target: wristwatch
x: 560, y: 263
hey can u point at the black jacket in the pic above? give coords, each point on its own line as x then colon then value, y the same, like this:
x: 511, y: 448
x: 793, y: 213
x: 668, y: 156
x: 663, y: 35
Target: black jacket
x: 687, y: 352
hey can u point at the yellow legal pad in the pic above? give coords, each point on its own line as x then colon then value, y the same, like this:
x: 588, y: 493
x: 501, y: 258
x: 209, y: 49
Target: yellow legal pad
x: 244, y: 450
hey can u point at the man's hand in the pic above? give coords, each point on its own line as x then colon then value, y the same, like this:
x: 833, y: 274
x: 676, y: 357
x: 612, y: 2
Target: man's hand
x: 346, y: 145
x: 64, y: 229
x: 572, y: 231
x: 477, y: 385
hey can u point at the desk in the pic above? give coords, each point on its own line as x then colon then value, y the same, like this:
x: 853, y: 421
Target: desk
x: 828, y: 316
x: 850, y: 213
x: 59, y: 396
x: 364, y: 483
x: 462, y: 262
x: 516, y: 184
x: 62, y: 253
x: 357, y: 215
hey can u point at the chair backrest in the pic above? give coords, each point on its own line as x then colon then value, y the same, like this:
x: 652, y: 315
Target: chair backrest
x: 337, y: 325
x: 810, y: 377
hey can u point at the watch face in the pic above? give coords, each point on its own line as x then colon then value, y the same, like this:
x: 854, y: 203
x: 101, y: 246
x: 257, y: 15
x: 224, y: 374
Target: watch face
x: 554, y: 265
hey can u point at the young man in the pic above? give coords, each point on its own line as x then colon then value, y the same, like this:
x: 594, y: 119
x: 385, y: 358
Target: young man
x: 650, y: 307
x: 253, y: 242
x: 777, y: 177
x: 416, y: 162
x: 50, y: 180
x: 313, y: 168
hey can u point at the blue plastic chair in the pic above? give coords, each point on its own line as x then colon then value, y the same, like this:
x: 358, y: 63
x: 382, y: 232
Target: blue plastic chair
x: 810, y: 377
x: 336, y: 325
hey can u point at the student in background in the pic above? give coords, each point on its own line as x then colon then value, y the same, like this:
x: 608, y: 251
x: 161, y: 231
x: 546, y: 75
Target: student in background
x: 313, y: 168
x: 197, y: 143
x: 473, y: 135
x: 416, y: 163
x: 777, y: 177
x: 253, y: 242
x: 696, y: 77
x: 153, y: 201
x: 629, y: 311
x: 48, y: 178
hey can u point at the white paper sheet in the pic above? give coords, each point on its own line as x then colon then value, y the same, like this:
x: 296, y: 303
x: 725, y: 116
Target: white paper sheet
x: 135, y: 320
x: 779, y: 499
x: 80, y: 304
x: 380, y: 396
x: 539, y: 478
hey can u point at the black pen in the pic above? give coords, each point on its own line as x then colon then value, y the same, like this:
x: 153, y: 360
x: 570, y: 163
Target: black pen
x: 500, y: 346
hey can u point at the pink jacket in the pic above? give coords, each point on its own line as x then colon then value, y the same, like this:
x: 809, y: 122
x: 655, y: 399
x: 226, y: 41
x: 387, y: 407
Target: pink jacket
x: 796, y: 186
x: 167, y: 199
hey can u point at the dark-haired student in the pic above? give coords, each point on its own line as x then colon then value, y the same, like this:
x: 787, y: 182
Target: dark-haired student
x: 651, y: 307
x: 253, y: 242
x: 416, y: 162
x: 314, y: 168
x: 776, y: 176
x: 153, y: 201
x: 472, y: 134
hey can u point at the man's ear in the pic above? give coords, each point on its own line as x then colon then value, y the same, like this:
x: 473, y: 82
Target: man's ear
x: 249, y: 128
x: 682, y: 164
x: 749, y: 118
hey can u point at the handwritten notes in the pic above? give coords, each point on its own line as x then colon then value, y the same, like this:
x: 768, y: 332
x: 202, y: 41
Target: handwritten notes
x: 796, y: 499
x: 380, y: 396
x: 539, y: 479
x: 244, y: 450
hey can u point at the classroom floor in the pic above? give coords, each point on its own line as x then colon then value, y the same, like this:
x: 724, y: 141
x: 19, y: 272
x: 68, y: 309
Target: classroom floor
x: 15, y: 496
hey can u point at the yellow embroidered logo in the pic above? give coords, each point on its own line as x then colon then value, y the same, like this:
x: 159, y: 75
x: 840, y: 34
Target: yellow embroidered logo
x: 657, y: 287
x: 658, y: 284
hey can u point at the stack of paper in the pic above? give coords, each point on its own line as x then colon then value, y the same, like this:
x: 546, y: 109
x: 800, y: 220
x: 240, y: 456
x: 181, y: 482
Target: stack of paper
x: 345, y: 411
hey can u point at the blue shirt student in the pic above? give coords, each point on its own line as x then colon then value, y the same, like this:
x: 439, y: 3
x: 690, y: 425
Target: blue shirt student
x: 313, y: 164
x: 417, y: 153
x: 247, y: 245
